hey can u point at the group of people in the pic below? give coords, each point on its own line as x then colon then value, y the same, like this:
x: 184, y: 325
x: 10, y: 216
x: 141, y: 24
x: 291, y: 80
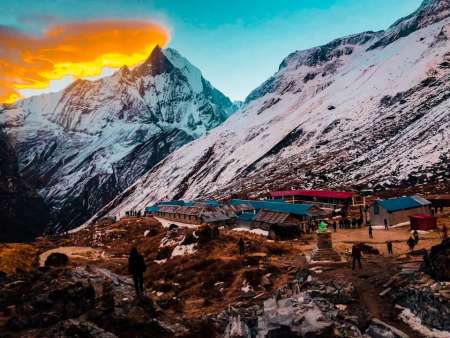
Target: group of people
x: 137, y: 266
x: 132, y: 213
x: 343, y: 223
x: 412, y: 241
x: 346, y: 223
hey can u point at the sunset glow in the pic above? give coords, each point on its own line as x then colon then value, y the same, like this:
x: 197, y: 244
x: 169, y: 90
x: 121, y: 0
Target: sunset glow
x: 78, y: 49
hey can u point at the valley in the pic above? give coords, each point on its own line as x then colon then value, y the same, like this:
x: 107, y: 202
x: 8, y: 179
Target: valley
x: 210, y: 290
x: 138, y: 200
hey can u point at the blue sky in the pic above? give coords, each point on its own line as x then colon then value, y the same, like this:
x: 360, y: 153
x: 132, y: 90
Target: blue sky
x: 236, y: 44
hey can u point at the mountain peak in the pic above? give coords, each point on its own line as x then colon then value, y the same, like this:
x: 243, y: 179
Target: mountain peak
x: 433, y: 3
x: 429, y: 12
x: 157, y: 63
x: 124, y: 70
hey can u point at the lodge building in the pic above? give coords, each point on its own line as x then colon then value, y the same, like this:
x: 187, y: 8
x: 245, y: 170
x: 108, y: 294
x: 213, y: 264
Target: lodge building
x: 197, y: 214
x: 328, y: 199
x: 398, y: 210
x: 282, y: 220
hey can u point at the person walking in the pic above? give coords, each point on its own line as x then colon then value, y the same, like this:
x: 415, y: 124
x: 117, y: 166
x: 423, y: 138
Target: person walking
x: 386, y: 227
x: 241, y: 245
x: 347, y: 223
x: 136, y: 268
x: 411, y: 243
x: 356, y: 255
x: 389, y: 247
x: 416, y: 236
x: 334, y: 226
x: 370, y: 231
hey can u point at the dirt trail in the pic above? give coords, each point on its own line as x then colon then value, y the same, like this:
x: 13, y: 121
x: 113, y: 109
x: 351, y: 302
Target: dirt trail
x: 73, y: 252
x: 368, y: 282
x: 193, y: 278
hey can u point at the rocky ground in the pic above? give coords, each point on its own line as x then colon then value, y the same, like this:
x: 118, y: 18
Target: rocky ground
x: 197, y: 285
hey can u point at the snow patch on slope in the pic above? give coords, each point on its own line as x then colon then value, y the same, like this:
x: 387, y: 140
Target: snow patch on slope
x: 339, y: 114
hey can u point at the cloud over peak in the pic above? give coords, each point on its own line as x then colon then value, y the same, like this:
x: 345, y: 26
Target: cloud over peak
x: 79, y: 49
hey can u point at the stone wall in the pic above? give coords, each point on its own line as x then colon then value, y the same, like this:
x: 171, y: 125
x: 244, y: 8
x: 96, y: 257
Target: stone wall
x: 427, y: 299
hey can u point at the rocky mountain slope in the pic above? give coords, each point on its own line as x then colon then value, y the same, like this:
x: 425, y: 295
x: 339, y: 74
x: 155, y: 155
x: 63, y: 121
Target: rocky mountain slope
x: 85, y: 144
x: 23, y: 212
x: 371, y: 109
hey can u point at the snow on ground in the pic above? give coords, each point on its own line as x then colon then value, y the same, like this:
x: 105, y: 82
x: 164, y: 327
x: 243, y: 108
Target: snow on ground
x: 237, y: 328
x: 182, y: 250
x: 420, y: 232
x: 400, y: 225
x: 166, y: 223
x: 167, y: 241
x: 253, y: 231
x: 416, y: 324
x: 375, y: 143
x: 246, y: 287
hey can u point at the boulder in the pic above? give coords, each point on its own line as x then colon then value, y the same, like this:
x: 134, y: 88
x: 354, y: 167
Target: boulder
x: 379, y: 329
x: 207, y: 233
x: 189, y: 239
x: 437, y: 263
x: 56, y: 259
x: 77, y: 328
x: 173, y: 226
x: 426, y: 299
x: 164, y: 253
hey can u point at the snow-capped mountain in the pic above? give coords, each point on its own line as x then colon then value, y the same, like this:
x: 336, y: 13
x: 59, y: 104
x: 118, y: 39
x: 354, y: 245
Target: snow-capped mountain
x: 85, y: 144
x: 368, y: 109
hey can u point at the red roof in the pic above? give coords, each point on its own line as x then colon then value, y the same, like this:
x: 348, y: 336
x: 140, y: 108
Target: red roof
x: 314, y: 193
x: 422, y: 216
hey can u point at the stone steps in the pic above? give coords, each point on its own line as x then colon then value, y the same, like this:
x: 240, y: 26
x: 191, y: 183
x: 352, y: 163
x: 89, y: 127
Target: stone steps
x: 325, y: 255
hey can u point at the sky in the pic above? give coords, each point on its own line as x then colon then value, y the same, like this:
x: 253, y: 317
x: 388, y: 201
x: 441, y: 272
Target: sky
x: 236, y: 44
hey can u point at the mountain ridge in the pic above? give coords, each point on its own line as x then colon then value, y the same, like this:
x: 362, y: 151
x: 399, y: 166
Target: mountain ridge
x: 83, y: 145
x: 338, y: 115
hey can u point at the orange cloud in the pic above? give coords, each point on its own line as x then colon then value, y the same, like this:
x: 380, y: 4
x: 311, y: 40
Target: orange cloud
x: 80, y: 49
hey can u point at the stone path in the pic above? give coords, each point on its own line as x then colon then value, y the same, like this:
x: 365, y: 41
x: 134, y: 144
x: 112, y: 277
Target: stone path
x: 77, y: 252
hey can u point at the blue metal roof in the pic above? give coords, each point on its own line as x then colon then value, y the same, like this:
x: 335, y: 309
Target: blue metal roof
x: 153, y: 208
x: 402, y: 203
x: 247, y: 216
x: 175, y: 202
x: 295, y: 209
x: 212, y: 203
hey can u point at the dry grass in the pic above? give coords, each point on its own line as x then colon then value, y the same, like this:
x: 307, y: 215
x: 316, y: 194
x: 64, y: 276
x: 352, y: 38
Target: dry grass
x: 17, y: 257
